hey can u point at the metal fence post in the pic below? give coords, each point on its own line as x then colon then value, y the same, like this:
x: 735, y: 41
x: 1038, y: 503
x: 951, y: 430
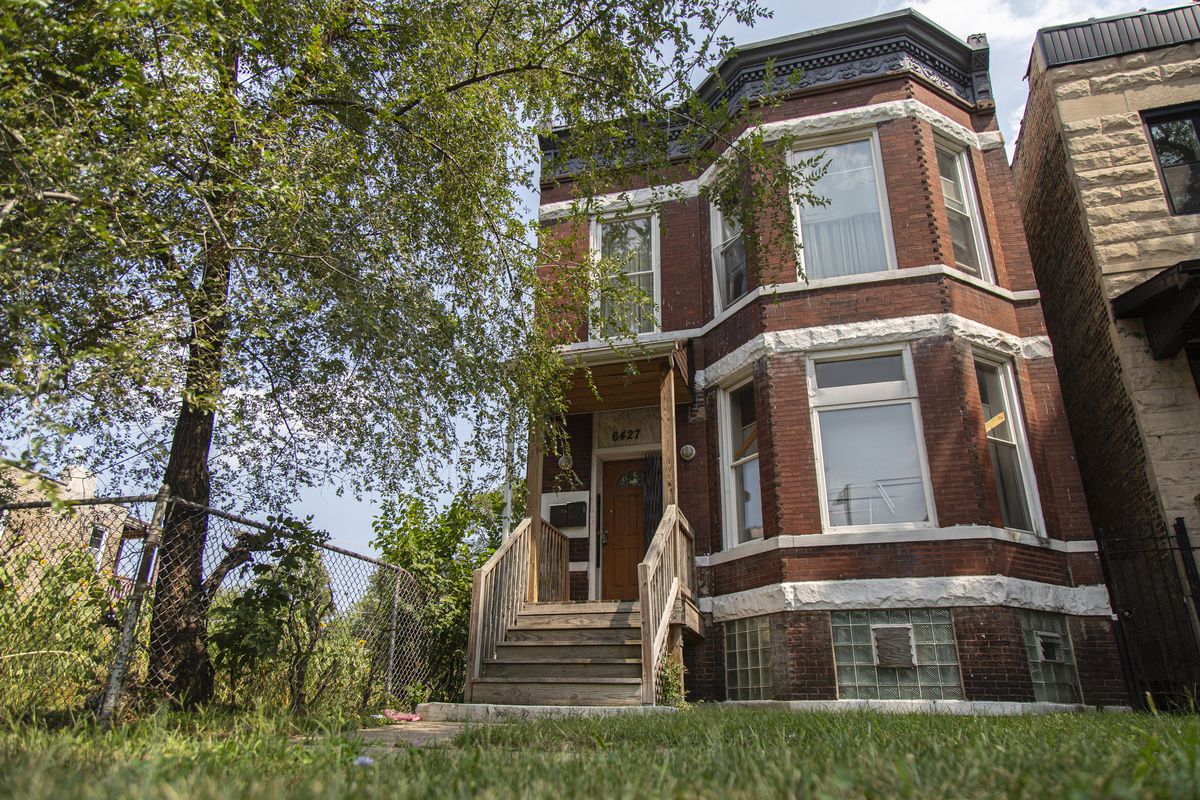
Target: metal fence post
x: 116, y: 677
x: 391, y: 662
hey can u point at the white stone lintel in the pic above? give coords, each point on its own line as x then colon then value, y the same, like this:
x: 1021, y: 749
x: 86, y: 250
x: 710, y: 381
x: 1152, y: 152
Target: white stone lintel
x: 952, y: 533
x: 871, y: 332
x: 886, y: 593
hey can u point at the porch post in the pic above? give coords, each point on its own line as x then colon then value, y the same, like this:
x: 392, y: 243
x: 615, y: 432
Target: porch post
x: 533, y: 506
x: 666, y: 410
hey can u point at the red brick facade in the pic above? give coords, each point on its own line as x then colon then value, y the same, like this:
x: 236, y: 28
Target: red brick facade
x: 966, y: 538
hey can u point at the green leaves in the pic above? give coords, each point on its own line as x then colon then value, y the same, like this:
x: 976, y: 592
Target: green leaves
x: 442, y: 549
x: 360, y: 170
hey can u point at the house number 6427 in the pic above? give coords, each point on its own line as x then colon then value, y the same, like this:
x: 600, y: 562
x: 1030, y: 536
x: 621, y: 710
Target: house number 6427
x: 627, y: 435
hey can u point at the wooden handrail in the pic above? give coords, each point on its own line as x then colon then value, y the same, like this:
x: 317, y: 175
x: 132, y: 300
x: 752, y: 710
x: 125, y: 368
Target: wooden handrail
x: 666, y: 572
x: 526, y: 567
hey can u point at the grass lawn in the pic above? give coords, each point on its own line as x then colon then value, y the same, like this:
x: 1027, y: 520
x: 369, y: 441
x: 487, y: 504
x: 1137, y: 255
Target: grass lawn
x: 703, y: 752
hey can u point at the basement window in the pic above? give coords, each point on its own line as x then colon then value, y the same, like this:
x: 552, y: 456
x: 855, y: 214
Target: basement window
x: 748, y: 659
x: 896, y: 654
x: 1051, y: 657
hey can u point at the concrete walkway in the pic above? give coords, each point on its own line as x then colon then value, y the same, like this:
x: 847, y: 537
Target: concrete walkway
x: 409, y: 734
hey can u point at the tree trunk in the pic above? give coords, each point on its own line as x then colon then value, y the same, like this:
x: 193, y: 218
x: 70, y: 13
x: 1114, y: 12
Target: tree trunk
x: 180, y: 669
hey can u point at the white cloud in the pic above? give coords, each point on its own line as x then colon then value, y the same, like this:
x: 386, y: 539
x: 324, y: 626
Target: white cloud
x: 1007, y: 22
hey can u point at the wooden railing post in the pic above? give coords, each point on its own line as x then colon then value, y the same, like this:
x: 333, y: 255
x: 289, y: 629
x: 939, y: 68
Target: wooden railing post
x: 533, y: 507
x: 666, y: 410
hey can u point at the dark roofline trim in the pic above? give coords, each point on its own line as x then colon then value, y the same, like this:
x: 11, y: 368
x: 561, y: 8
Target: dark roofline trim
x: 1123, y: 34
x: 893, y: 44
x: 948, y: 62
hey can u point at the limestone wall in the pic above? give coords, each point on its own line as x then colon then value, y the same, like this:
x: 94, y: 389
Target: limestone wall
x: 1134, y: 236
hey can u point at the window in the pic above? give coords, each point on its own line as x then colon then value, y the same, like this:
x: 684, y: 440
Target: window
x: 96, y: 539
x: 633, y: 243
x: 743, y: 509
x: 872, y: 463
x: 970, y: 252
x: 1006, y: 444
x: 748, y: 659
x: 896, y: 654
x: 1050, y: 656
x: 1176, y: 145
x: 850, y: 233
x: 729, y: 260
x: 893, y: 646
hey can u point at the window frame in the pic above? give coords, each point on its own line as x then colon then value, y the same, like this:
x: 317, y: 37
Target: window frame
x: 1185, y: 110
x: 966, y: 178
x: 715, y: 220
x: 1016, y: 412
x: 595, y: 245
x: 840, y: 398
x: 729, y: 524
x: 870, y: 134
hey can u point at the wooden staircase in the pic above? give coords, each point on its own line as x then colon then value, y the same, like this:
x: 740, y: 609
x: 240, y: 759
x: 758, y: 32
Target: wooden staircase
x: 570, y: 654
x: 529, y: 646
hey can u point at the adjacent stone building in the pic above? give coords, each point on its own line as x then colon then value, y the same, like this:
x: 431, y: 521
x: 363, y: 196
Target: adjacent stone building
x: 867, y: 437
x: 1107, y: 169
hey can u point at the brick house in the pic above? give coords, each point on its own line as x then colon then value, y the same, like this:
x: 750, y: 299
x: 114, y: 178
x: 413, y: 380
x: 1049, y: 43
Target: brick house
x: 1107, y: 171
x: 847, y: 477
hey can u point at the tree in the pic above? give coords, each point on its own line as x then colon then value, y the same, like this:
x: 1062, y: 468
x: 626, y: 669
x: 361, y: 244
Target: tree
x: 251, y: 246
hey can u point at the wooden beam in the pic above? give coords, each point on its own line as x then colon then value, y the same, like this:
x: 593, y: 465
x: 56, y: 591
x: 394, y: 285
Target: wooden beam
x: 533, y: 506
x: 666, y: 409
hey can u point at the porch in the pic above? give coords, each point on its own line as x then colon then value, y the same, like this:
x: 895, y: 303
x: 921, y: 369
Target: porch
x: 529, y: 644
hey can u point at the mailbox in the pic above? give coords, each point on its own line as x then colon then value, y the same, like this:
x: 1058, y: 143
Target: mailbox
x: 569, y: 515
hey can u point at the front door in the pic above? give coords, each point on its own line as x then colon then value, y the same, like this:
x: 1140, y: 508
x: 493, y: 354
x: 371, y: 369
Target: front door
x: 622, y: 541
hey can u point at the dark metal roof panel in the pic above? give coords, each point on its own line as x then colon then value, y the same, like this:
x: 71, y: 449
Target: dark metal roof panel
x: 1115, y: 36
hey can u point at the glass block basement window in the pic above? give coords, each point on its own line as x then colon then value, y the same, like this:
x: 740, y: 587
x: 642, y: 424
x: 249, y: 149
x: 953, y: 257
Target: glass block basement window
x: 867, y: 643
x: 748, y: 659
x: 1051, y: 657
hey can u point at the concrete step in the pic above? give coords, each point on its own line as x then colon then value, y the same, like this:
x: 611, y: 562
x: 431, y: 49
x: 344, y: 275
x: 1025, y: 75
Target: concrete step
x: 557, y: 650
x: 558, y: 691
x: 582, y: 668
x: 572, y: 633
x: 486, y: 712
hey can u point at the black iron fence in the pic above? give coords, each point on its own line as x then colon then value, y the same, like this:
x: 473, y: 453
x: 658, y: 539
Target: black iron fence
x: 1155, y: 590
x: 274, y: 616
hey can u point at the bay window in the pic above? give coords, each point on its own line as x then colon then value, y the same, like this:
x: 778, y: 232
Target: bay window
x: 962, y: 211
x: 872, y: 468
x: 849, y: 232
x: 729, y: 260
x: 1006, y: 445
x: 740, y: 475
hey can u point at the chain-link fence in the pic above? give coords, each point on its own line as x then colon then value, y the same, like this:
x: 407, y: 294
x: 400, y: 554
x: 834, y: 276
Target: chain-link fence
x: 113, y: 600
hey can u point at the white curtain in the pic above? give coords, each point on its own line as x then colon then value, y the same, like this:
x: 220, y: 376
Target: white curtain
x: 844, y: 236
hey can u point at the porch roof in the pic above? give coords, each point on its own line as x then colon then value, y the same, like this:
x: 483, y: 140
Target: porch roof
x: 628, y: 380
x: 1169, y: 305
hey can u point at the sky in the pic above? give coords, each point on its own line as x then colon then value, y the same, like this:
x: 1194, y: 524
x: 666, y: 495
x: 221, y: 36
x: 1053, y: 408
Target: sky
x: 1010, y: 27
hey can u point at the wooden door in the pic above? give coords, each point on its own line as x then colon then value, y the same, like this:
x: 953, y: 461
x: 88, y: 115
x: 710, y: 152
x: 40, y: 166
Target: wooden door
x: 624, y: 497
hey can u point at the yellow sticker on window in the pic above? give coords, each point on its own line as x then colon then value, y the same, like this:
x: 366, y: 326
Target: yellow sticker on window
x: 993, y: 422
